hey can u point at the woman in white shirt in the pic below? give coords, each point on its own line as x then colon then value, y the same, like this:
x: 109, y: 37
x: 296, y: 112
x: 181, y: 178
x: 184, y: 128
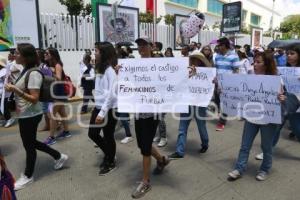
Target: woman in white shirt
x: 103, y: 115
x: 245, y: 66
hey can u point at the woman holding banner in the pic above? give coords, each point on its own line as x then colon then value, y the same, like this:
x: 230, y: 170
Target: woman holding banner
x: 264, y: 64
x: 145, y: 128
x: 103, y: 116
x: 199, y: 113
x: 293, y: 59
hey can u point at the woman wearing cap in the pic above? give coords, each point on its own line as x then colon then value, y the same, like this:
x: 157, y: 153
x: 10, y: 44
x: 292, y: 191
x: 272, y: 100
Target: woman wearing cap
x: 29, y: 111
x: 145, y: 128
x: 196, y: 60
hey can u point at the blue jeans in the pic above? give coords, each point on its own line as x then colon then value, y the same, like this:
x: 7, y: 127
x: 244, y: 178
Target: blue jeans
x: 295, y: 124
x: 267, y: 135
x: 124, y: 118
x: 185, y: 119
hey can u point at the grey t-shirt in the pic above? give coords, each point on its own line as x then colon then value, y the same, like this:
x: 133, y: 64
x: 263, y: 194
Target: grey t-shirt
x: 25, y: 108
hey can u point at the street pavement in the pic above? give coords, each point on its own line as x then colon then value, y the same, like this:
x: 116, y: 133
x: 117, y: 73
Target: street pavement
x: 195, y: 177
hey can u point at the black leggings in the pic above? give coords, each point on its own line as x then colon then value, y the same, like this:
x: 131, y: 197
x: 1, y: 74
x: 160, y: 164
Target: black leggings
x: 107, y: 143
x: 28, y: 128
x: 145, y: 130
x: 6, y: 113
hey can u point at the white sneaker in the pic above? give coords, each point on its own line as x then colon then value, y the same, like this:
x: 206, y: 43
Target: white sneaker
x: 22, y: 182
x: 58, y: 164
x: 156, y: 139
x: 261, y: 176
x: 126, y: 140
x: 163, y: 142
x: 9, y: 122
x: 259, y: 156
x: 235, y: 174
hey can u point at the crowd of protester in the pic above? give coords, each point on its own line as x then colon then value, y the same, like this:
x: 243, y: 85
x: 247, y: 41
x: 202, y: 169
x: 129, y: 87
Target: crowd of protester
x: 98, y: 73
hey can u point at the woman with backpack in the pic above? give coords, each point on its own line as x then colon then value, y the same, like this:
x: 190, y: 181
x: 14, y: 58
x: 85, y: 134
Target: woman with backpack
x: 29, y: 112
x: 57, y: 108
x: 43, y: 66
x: 103, y: 116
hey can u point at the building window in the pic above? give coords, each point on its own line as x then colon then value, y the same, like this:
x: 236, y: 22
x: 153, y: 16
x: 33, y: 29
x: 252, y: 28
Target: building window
x: 255, y: 19
x: 189, y: 3
x: 215, y: 6
x: 244, y: 15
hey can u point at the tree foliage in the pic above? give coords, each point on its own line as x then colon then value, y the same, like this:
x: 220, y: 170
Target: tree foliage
x: 291, y: 26
x: 148, y: 17
x: 169, y: 19
x: 74, y: 7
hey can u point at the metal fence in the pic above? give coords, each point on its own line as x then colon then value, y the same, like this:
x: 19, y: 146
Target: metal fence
x: 59, y: 31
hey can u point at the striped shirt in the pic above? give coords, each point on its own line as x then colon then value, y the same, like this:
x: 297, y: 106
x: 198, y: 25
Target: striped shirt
x: 230, y: 61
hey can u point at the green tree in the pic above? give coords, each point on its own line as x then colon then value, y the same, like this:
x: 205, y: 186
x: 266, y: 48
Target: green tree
x: 290, y: 27
x: 74, y: 7
x: 169, y: 19
x: 148, y: 17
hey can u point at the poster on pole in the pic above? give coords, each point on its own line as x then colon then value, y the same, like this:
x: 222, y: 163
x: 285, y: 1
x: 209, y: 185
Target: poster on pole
x: 178, y: 25
x: 232, y: 17
x: 201, y: 87
x: 256, y: 37
x: 253, y: 97
x: 153, y: 85
x: 19, y: 23
x: 122, y: 26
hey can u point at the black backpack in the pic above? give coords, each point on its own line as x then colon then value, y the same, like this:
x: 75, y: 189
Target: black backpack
x: 46, y: 87
x: 87, y: 84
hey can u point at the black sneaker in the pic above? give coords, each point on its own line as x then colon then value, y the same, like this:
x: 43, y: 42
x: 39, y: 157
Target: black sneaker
x: 104, y: 161
x: 291, y: 135
x: 107, y: 168
x: 203, y: 149
x: 174, y: 156
x: 161, y: 165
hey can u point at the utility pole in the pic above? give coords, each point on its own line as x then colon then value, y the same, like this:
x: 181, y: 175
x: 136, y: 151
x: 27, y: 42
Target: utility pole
x: 272, y: 20
x: 154, y: 21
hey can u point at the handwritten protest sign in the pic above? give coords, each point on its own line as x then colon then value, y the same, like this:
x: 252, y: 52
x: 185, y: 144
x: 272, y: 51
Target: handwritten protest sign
x: 291, y: 79
x: 201, y: 87
x: 253, y: 97
x: 152, y: 85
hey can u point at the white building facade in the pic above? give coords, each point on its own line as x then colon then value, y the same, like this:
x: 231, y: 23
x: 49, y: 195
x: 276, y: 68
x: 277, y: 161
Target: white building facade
x: 256, y: 13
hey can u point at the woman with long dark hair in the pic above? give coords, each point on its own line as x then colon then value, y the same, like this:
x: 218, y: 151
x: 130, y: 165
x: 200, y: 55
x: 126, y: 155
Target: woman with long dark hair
x: 264, y: 64
x: 30, y: 113
x: 57, y: 108
x: 43, y: 66
x: 293, y: 60
x: 103, y: 117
